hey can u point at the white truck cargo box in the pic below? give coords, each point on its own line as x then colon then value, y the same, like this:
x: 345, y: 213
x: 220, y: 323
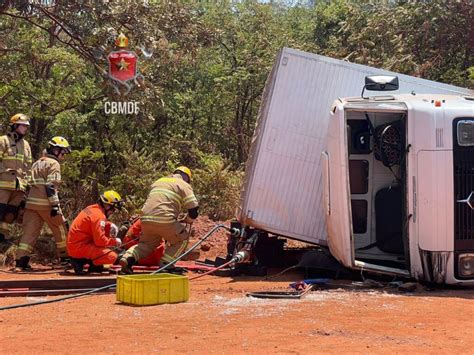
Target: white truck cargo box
x: 283, y: 188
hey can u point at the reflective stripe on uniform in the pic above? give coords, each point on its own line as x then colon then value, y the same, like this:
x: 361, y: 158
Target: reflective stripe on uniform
x: 188, y: 199
x: 53, y: 178
x: 158, y: 219
x: 180, y: 250
x: 135, y: 254
x: 168, y: 193
x: 41, y: 181
x: 38, y: 201
x: 37, y: 181
x: 18, y: 157
x: 128, y: 253
x: 7, y: 184
x: 62, y: 244
x: 166, y: 179
x: 26, y: 247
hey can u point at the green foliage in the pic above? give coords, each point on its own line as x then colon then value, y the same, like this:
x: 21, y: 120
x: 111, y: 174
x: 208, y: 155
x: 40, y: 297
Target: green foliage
x: 217, y: 187
x: 134, y: 181
x: 81, y: 174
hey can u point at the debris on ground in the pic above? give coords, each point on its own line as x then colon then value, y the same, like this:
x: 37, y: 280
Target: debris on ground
x: 410, y: 287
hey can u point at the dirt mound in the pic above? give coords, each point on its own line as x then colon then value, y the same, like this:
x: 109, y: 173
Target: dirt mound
x: 215, y: 245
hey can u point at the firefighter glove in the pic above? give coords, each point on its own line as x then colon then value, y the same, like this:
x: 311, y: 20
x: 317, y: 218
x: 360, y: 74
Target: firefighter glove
x: 55, y: 210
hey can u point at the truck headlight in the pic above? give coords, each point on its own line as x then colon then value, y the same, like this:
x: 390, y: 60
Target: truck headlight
x: 466, y: 265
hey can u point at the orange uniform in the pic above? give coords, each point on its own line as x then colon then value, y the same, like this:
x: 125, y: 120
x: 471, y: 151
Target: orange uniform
x: 134, y: 232
x: 87, y: 237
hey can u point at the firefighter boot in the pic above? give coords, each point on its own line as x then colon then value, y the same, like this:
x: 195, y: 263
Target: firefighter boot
x: 94, y: 268
x: 126, y: 264
x: 78, y: 265
x: 22, y: 264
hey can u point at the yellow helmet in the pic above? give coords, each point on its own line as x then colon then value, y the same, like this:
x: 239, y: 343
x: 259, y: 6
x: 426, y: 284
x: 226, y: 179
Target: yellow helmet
x: 111, y: 197
x: 20, y: 118
x: 185, y: 170
x: 60, y: 142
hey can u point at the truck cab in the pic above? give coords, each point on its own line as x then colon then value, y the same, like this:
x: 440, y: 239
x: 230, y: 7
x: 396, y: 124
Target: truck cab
x: 398, y: 176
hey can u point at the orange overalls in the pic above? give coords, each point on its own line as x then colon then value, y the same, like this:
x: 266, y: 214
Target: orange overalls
x: 134, y: 232
x: 87, y: 237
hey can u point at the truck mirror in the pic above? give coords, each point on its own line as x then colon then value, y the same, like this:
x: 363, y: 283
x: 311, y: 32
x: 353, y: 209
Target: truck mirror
x: 380, y: 83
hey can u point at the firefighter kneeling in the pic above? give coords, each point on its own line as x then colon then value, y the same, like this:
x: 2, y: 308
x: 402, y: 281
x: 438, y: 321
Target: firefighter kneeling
x: 160, y: 219
x: 88, y: 241
x: 132, y: 237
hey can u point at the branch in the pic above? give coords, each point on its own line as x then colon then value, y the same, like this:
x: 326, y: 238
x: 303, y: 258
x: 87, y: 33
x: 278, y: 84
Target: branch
x: 34, y: 98
x: 6, y: 50
x: 74, y: 106
x: 73, y: 45
x: 4, y: 97
x: 26, y: 19
x: 66, y: 30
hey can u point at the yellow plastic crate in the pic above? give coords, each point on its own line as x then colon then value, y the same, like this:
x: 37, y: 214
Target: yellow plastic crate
x: 146, y: 290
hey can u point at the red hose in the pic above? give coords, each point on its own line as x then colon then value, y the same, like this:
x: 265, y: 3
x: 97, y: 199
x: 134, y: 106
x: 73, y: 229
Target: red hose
x: 213, y: 270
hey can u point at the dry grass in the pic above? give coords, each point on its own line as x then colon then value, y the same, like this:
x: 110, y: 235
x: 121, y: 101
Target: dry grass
x: 43, y: 253
x: 7, y: 254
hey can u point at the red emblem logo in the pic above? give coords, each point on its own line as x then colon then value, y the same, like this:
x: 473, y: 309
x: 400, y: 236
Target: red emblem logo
x: 123, y: 65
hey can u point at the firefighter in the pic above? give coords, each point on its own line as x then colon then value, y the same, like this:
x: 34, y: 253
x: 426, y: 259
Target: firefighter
x: 42, y: 203
x: 160, y: 219
x: 88, y: 241
x: 15, y: 166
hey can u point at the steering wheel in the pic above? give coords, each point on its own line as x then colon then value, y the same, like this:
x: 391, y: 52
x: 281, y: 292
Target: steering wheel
x: 390, y: 146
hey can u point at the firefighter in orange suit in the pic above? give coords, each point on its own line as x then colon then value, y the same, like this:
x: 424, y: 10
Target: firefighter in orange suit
x: 15, y: 166
x: 42, y: 203
x: 167, y: 197
x: 88, y: 241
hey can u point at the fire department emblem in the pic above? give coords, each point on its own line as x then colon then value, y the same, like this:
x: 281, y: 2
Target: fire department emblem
x: 123, y: 67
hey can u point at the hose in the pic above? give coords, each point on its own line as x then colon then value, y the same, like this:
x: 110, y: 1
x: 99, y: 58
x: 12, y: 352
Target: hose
x: 172, y: 262
x: 213, y: 270
x: 21, y: 305
x: 239, y: 257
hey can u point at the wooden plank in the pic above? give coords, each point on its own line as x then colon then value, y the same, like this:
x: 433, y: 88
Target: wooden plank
x: 52, y: 292
x: 63, y: 283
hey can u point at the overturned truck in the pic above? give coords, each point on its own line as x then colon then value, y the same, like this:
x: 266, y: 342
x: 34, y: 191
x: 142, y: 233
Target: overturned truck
x: 386, y: 182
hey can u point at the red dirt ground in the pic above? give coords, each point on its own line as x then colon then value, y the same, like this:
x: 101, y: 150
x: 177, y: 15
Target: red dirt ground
x: 219, y: 318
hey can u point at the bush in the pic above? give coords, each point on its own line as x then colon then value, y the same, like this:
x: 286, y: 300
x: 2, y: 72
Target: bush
x: 216, y: 187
